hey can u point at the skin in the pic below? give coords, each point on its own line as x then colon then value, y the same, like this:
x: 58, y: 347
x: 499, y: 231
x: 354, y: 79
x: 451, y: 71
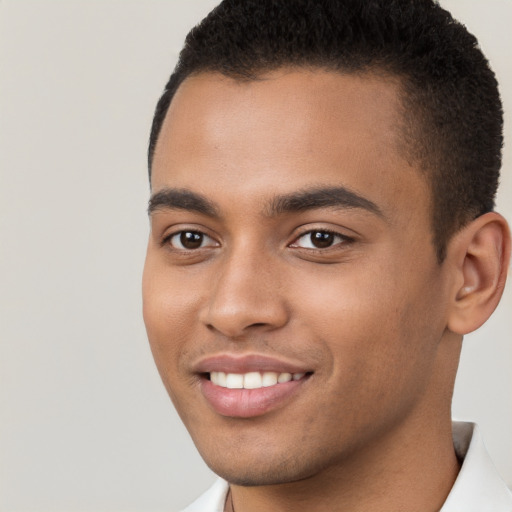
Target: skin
x: 374, y: 316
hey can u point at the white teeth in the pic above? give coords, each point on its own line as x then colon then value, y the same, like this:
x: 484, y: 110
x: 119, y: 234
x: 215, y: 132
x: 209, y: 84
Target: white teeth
x: 234, y: 381
x: 269, y: 379
x: 252, y: 380
x: 284, y: 377
x: 218, y: 378
x: 222, y: 379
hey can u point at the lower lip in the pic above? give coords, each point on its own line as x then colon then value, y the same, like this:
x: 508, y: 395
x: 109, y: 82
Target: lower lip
x: 247, y: 403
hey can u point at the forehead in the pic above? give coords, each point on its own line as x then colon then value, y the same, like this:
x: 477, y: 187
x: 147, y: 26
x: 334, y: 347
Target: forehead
x: 286, y: 105
x: 289, y: 128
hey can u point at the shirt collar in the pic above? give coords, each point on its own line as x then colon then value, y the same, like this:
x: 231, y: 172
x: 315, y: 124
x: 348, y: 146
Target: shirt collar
x: 478, y: 486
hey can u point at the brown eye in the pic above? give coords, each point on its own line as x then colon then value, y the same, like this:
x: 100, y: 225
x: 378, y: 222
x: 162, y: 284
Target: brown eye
x: 320, y: 239
x: 190, y: 240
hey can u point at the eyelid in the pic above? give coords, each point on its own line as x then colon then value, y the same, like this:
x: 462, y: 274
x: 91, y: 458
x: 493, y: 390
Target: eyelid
x: 345, y: 239
x: 166, y: 239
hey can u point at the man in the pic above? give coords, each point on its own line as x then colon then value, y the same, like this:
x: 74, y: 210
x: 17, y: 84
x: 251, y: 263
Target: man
x: 322, y: 236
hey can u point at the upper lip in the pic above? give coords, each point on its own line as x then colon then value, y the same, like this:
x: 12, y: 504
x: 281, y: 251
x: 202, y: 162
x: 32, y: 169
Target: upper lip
x: 231, y: 363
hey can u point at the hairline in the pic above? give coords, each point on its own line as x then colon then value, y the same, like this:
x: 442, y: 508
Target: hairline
x: 375, y: 70
x: 411, y: 128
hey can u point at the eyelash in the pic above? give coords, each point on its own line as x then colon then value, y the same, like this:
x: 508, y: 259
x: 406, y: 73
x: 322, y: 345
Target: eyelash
x: 344, y: 239
x: 167, y: 240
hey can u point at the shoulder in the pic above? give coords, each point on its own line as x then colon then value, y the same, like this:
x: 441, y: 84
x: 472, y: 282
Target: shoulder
x: 212, y: 500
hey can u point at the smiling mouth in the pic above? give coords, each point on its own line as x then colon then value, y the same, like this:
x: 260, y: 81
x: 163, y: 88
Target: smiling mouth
x: 250, y: 385
x: 253, y: 380
x: 250, y: 394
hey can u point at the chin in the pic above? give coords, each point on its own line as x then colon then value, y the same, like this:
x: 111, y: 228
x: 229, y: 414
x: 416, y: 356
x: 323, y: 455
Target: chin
x: 250, y: 473
x: 253, y: 478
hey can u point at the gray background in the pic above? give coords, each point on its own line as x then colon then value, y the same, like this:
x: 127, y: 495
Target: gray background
x: 85, y: 424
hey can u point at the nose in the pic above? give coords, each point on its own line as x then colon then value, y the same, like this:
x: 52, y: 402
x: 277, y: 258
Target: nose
x: 245, y: 296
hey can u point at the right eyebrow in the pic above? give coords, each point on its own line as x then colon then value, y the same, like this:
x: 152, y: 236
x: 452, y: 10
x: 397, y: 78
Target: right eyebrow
x: 180, y: 199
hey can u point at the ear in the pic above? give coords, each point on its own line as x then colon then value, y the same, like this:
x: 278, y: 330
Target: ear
x: 480, y: 253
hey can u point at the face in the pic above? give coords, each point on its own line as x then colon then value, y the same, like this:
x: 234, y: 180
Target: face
x: 292, y: 296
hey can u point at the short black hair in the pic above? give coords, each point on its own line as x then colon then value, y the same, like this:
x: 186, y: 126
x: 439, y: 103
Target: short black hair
x: 452, y: 112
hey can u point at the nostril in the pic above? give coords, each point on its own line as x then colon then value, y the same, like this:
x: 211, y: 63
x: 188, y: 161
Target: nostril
x: 244, y: 330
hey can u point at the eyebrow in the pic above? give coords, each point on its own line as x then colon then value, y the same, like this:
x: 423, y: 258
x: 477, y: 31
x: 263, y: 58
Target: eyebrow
x: 308, y: 199
x: 181, y: 199
x: 321, y: 197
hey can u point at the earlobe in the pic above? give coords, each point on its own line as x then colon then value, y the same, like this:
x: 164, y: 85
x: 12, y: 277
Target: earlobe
x: 481, y: 252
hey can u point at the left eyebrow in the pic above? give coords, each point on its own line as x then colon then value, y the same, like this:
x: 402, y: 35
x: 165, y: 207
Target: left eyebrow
x: 322, y: 197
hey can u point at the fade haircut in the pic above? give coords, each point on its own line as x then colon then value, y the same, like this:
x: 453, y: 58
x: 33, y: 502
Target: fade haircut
x: 452, y: 117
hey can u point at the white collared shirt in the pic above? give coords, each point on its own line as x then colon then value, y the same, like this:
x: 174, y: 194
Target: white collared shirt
x: 478, y: 487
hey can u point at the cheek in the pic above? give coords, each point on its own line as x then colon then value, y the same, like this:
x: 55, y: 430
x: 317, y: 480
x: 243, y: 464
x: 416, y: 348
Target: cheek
x: 167, y: 320
x: 345, y: 304
x: 372, y: 323
x: 166, y: 312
